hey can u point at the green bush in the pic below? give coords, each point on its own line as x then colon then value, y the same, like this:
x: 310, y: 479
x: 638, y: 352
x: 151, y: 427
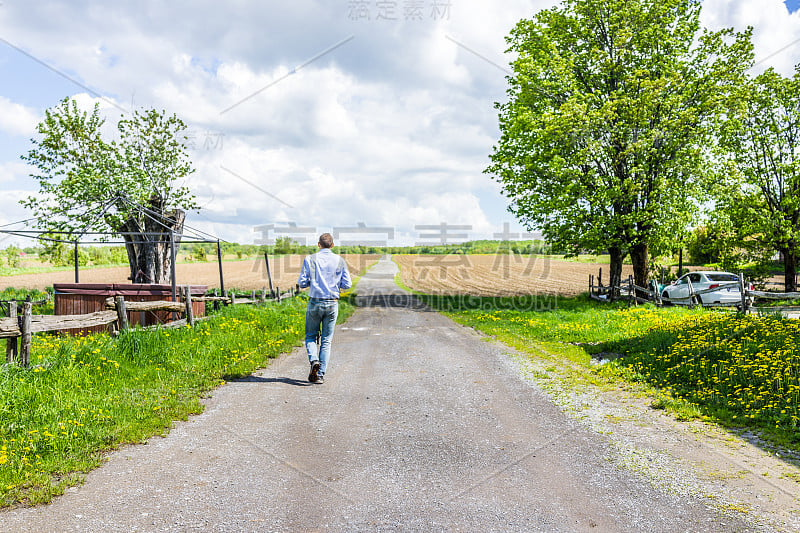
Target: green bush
x: 63, y: 254
x: 13, y: 257
x: 702, y: 246
x: 199, y: 253
x: 35, y: 295
x: 107, y: 255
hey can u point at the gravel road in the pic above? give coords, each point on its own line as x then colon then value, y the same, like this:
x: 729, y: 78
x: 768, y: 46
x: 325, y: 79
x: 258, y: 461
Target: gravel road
x: 420, y: 426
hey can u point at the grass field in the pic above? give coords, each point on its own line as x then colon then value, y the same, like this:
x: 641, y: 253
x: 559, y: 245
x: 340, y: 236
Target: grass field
x: 85, y: 395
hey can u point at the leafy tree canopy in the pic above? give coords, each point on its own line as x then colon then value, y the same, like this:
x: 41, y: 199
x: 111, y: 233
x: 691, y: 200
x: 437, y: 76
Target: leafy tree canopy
x: 610, y: 109
x: 129, y: 185
x: 760, y: 150
x: 84, y: 179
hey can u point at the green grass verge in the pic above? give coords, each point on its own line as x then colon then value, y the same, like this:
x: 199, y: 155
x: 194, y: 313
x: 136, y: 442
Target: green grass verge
x: 35, y: 295
x: 83, y: 396
x: 740, y: 371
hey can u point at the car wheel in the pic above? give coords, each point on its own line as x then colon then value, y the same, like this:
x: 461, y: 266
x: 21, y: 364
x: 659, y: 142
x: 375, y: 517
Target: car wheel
x: 665, y: 295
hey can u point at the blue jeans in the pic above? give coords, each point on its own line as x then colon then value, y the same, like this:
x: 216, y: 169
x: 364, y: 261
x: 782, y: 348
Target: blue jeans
x: 320, y: 319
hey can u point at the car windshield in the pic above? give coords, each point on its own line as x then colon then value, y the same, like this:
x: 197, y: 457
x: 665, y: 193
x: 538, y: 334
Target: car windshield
x: 722, y: 277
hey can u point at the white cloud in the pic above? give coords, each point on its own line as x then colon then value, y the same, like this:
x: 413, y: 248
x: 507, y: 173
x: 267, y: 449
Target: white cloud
x: 393, y: 127
x: 17, y: 119
x: 13, y: 213
x: 776, y: 33
x: 385, y: 120
x: 11, y: 171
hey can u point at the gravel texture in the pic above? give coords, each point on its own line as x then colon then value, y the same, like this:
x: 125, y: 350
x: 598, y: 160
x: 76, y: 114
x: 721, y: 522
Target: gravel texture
x: 420, y: 426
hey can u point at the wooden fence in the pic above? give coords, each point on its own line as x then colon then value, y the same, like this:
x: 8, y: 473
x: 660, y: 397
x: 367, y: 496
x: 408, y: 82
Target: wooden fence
x: 5, y: 305
x: 628, y: 290
x: 20, y: 324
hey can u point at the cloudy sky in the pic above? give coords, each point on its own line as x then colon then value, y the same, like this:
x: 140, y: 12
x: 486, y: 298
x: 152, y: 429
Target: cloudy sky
x: 321, y: 114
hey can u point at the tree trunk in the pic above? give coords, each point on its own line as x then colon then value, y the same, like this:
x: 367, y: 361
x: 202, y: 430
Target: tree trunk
x: 148, y: 245
x: 640, y: 257
x: 130, y: 248
x: 615, y: 275
x: 789, y: 268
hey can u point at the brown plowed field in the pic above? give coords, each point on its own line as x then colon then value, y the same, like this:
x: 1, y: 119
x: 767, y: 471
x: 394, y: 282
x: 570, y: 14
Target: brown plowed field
x: 497, y: 275
x: 248, y: 274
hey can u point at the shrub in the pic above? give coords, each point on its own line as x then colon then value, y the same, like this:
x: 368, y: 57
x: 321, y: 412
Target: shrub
x: 13, y: 258
x: 199, y: 253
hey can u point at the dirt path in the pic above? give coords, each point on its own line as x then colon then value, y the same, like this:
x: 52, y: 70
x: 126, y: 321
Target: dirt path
x: 247, y: 274
x: 420, y: 426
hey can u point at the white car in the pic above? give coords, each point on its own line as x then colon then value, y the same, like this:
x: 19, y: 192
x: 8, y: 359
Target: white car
x: 727, y: 293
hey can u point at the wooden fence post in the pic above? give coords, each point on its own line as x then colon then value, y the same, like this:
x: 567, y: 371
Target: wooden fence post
x: 122, y: 313
x: 591, y: 284
x: 233, y: 298
x: 11, y: 343
x: 25, y: 337
x: 600, y: 277
x: 657, y: 294
x: 630, y: 290
x: 77, y: 255
x: 263, y: 294
x: 743, y: 293
x: 254, y: 295
x: 219, y: 263
x: 269, y: 273
x: 278, y: 293
x: 187, y: 300
x: 691, y: 293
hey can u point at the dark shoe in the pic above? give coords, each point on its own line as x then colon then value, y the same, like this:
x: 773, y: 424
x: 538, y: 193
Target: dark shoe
x: 313, y: 377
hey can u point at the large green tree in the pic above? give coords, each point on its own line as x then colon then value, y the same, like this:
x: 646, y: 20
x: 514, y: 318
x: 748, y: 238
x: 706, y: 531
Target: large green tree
x: 603, y: 136
x: 761, y: 171
x: 128, y: 186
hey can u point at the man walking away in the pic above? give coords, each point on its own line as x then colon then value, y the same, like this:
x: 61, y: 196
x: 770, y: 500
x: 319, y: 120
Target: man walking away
x: 326, y: 274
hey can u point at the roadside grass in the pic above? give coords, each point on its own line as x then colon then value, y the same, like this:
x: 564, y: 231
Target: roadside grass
x: 35, y: 295
x: 743, y: 370
x: 83, y: 396
x: 740, y: 371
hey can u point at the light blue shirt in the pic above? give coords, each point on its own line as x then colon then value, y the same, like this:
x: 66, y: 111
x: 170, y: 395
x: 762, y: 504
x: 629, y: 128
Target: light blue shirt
x: 326, y: 273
